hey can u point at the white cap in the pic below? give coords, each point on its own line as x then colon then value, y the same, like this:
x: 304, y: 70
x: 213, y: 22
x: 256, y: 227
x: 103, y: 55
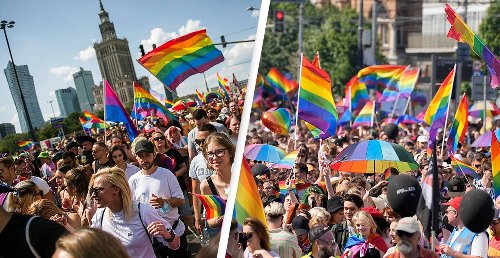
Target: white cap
x: 422, y: 138
x: 408, y: 224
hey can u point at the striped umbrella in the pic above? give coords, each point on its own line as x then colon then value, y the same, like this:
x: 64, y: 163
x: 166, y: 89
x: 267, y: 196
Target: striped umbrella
x: 264, y: 152
x: 374, y: 156
x: 477, y: 110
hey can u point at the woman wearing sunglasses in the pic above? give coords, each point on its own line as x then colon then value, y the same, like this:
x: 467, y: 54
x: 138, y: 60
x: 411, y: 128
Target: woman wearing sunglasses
x: 133, y: 223
x: 257, y: 239
x: 219, y: 154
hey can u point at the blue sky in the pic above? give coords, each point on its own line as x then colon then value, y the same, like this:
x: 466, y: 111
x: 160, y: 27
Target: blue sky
x: 56, y: 37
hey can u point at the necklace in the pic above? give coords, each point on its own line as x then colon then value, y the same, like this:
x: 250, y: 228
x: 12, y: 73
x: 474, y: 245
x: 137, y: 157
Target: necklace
x: 226, y: 190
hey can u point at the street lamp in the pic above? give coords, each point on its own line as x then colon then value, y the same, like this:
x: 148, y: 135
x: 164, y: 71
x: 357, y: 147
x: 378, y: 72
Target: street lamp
x: 251, y: 9
x: 4, y: 25
x: 53, y: 113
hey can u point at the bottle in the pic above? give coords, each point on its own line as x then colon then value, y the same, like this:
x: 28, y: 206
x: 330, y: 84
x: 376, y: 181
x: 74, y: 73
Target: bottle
x: 166, y: 207
x: 204, y: 237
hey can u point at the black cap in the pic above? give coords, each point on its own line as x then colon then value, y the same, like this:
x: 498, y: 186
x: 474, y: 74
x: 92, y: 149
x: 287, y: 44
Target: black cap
x: 456, y: 187
x: 6, y: 188
x: 72, y: 144
x: 316, y: 232
x: 144, y: 145
x: 85, y: 138
x: 300, y: 224
x: 334, y: 204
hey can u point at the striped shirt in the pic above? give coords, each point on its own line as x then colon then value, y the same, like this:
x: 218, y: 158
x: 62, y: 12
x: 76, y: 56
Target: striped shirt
x: 284, y: 243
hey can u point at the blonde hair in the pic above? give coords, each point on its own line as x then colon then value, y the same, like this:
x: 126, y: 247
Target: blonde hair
x: 319, y: 215
x: 45, y: 209
x: 23, y: 197
x: 366, y: 217
x: 116, y: 177
x: 91, y: 242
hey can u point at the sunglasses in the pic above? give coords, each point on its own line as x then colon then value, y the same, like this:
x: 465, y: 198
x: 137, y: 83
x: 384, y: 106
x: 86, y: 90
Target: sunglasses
x: 199, y: 142
x: 158, y: 138
x: 97, y: 190
x: 246, y: 235
x: 400, y: 233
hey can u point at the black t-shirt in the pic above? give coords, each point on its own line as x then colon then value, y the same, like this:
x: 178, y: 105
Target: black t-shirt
x: 179, y: 160
x: 43, y: 236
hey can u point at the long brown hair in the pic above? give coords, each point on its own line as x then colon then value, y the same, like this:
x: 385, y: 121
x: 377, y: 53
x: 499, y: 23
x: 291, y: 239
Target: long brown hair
x: 261, y: 231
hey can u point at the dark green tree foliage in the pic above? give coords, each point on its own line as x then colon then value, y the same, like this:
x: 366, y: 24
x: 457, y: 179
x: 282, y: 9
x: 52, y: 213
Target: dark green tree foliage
x: 72, y: 123
x: 330, y: 31
x: 490, y: 27
x: 9, y: 142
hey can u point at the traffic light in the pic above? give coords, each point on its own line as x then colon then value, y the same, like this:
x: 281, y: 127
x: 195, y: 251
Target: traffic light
x: 223, y: 41
x: 279, y: 21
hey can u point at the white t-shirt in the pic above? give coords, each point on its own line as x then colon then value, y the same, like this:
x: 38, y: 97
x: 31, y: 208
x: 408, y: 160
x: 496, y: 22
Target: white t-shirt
x: 198, y: 168
x: 161, y: 183
x: 131, y: 170
x: 48, y: 170
x: 247, y: 254
x: 479, y: 246
x: 131, y: 233
x: 42, y: 184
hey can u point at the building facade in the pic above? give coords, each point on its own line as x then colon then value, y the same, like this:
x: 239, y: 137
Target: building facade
x: 84, y: 83
x: 7, y: 129
x: 29, y: 93
x: 115, y: 60
x: 67, y: 99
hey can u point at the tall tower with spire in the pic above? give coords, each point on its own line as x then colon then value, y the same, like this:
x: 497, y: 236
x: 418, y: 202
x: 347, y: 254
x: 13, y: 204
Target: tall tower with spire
x: 115, y: 61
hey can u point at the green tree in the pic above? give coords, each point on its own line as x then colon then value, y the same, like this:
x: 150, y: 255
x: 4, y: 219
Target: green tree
x: 488, y: 29
x: 46, y: 132
x: 9, y: 142
x: 72, y: 123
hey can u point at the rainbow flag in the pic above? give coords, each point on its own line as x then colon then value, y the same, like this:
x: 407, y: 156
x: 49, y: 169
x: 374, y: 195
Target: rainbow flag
x: 147, y: 105
x: 200, y: 97
x: 437, y: 111
x: 89, y: 117
x: 211, y: 95
x: 365, y: 116
x: 115, y: 112
x: 462, y: 168
x: 288, y: 161
x: 26, y: 145
x: 92, y: 121
x: 315, y: 101
x: 495, y: 163
x: 387, y: 76
x: 168, y: 103
x: 248, y: 202
x: 408, y: 81
x: 284, y: 189
x: 177, y: 59
x: 223, y: 86
x: 213, y: 204
x: 461, y: 32
x: 359, y: 94
x: 459, y: 126
x: 280, y: 83
x: 345, y: 119
x: 387, y: 174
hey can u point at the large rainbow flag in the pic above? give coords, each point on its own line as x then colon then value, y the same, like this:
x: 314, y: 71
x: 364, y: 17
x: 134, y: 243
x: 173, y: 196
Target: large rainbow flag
x: 315, y: 103
x: 146, y: 105
x: 248, y: 202
x: 459, y: 126
x: 177, y: 59
x: 408, y: 81
x: 463, y: 33
x: 115, y: 112
x: 280, y: 83
x: 437, y: 111
x: 387, y: 76
x: 365, y: 116
x: 495, y: 163
x: 214, y: 205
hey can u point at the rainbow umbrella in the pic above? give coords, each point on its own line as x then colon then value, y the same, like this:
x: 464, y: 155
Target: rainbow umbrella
x: 211, y: 95
x: 264, y: 152
x: 477, y: 110
x: 287, y: 161
x: 374, y: 156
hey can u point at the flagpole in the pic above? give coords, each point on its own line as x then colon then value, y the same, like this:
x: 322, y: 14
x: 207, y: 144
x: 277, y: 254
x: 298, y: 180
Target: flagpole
x: 298, y: 103
x: 373, y: 114
x: 350, y: 105
x: 206, y: 84
x: 104, y: 106
x: 447, y: 110
x: 135, y: 108
x: 406, y: 106
x: 395, y: 104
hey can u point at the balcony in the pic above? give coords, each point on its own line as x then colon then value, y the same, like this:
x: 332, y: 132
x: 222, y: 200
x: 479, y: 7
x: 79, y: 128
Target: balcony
x: 418, y: 43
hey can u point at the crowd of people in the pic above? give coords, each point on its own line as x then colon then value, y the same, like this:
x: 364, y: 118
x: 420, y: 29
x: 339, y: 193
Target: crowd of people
x: 106, y: 196
x: 328, y: 213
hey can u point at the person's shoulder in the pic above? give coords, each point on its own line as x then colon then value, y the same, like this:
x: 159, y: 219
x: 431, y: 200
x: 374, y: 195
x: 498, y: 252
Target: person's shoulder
x: 45, y: 226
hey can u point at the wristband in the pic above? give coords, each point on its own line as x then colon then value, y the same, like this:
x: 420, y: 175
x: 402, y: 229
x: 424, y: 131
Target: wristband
x: 172, y: 235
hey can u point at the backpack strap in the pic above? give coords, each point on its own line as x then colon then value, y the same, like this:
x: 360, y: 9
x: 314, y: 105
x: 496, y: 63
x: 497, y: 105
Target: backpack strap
x: 102, y: 216
x: 212, y: 186
x: 142, y: 223
x: 27, y: 233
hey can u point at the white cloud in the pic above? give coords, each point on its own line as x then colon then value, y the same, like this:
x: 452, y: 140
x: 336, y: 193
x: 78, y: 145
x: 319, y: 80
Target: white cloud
x: 158, y: 36
x: 239, y: 53
x: 52, y: 93
x: 85, y: 54
x: 65, y: 71
x: 255, y: 13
